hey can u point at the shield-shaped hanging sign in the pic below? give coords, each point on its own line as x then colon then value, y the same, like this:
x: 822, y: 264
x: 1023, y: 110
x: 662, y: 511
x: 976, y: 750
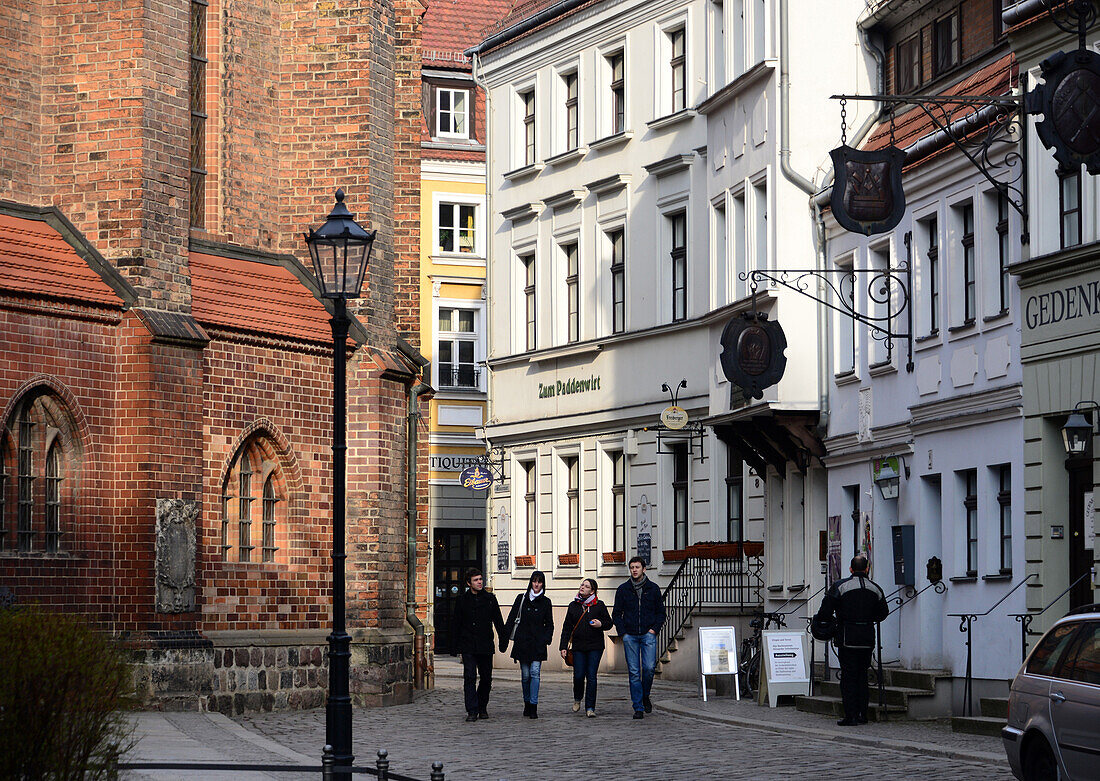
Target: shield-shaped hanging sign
x: 1069, y: 100
x: 867, y: 196
x: 752, y: 352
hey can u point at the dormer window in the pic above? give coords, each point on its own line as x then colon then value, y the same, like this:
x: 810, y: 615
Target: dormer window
x: 452, y: 113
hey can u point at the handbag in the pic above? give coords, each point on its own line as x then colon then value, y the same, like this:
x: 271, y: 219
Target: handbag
x: 569, y: 642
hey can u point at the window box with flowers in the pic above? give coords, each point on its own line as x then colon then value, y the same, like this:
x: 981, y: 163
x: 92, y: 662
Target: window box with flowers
x: 525, y: 561
x: 614, y: 557
x: 569, y: 559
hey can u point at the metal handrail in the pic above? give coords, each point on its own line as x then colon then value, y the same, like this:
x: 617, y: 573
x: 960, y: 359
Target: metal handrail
x: 965, y: 621
x: 1025, y: 619
x: 910, y: 594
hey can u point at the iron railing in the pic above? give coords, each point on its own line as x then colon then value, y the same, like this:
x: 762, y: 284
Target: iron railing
x: 460, y: 376
x: 327, y: 768
x: 735, y: 582
x: 965, y: 622
x: 1025, y: 619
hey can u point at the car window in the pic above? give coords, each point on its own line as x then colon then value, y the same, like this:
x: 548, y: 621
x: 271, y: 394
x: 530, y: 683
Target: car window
x: 1083, y: 663
x: 1046, y: 656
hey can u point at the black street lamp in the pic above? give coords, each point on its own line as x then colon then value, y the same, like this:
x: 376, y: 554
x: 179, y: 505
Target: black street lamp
x: 1077, y: 431
x: 341, y: 251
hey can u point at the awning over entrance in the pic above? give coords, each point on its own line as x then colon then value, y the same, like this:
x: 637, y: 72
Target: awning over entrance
x: 771, y: 437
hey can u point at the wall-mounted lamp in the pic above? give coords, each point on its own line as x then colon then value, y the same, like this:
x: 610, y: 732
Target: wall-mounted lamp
x: 1077, y: 431
x: 887, y: 475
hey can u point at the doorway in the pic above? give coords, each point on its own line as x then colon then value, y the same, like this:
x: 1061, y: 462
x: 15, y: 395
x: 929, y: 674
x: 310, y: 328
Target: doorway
x: 456, y: 550
x: 1080, y: 557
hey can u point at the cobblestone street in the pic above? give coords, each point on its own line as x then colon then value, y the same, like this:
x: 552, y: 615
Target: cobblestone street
x: 564, y: 746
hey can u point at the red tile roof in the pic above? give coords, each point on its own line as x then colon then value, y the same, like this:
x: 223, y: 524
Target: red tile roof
x: 997, y: 78
x: 525, y: 9
x: 255, y: 296
x: 452, y: 26
x: 36, y: 260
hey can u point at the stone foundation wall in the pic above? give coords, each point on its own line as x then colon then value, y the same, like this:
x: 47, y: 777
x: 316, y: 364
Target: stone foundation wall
x: 272, y: 673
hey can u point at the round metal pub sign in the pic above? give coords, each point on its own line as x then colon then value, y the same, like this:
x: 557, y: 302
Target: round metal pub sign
x: 674, y: 417
x: 476, y: 478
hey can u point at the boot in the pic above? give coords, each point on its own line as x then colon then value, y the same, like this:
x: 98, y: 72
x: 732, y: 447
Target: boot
x: 526, y: 709
x: 534, y: 710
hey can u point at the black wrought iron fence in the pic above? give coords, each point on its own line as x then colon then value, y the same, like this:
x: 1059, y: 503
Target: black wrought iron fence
x: 327, y: 768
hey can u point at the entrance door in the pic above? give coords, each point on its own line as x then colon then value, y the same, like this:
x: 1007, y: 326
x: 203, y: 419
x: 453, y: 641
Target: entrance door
x: 456, y: 550
x: 1080, y: 557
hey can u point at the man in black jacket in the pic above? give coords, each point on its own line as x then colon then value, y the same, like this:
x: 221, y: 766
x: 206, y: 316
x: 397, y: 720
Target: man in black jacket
x: 858, y: 604
x: 476, y: 613
x: 639, y: 614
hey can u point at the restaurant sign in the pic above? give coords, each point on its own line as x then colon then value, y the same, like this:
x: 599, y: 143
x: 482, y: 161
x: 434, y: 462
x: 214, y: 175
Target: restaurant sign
x: 570, y: 386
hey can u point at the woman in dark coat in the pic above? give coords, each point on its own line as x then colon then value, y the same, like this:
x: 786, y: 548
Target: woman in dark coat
x: 586, y: 620
x: 530, y: 626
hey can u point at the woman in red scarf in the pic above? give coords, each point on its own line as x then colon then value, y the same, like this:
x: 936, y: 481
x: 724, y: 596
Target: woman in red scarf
x: 586, y: 620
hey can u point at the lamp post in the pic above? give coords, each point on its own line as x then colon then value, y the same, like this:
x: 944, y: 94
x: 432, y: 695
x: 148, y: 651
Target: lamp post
x: 1077, y: 431
x: 340, y: 250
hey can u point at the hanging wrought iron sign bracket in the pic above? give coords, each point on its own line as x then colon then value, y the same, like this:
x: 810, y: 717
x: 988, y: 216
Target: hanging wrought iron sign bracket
x: 978, y: 126
x: 888, y: 288
x: 675, y: 425
x: 493, y: 463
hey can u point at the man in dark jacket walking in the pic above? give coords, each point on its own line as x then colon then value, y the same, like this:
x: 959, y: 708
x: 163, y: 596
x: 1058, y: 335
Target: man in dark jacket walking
x: 476, y: 613
x: 639, y: 614
x: 858, y: 604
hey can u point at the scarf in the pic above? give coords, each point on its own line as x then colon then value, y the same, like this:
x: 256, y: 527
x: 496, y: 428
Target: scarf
x: 638, y: 585
x: 586, y: 602
x: 531, y: 595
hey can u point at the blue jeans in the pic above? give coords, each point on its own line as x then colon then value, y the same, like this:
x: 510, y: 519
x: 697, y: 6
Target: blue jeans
x: 641, y: 658
x: 585, y: 665
x: 529, y: 673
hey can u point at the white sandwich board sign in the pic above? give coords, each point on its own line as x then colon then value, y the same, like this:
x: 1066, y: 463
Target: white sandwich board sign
x: 718, y: 655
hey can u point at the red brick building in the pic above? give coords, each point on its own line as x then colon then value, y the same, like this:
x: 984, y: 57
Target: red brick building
x: 166, y: 363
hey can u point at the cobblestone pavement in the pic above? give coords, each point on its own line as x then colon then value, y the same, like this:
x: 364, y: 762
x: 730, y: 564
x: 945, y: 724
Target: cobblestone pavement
x: 683, y: 739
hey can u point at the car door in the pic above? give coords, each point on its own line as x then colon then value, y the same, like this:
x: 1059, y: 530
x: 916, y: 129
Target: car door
x: 1075, y: 704
x: 1030, y: 708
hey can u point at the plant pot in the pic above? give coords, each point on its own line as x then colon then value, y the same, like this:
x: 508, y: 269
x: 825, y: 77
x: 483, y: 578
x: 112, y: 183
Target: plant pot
x: 716, y: 550
x: 675, y: 555
x: 569, y: 559
x: 753, y: 547
x: 525, y: 561
x: 614, y: 557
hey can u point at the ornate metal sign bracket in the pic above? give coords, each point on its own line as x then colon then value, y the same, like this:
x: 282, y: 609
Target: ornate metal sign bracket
x: 675, y: 428
x: 493, y: 462
x: 888, y: 290
x: 979, y: 126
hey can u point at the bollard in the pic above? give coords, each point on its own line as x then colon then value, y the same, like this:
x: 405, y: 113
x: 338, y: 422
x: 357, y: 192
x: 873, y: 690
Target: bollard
x: 437, y: 771
x: 327, y: 762
x: 383, y: 764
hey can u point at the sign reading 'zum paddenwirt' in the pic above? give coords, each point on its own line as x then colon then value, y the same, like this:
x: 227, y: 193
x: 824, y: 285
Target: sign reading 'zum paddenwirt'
x: 574, y: 385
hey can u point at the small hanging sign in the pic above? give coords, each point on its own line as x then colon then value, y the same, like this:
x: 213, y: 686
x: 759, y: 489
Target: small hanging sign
x: 674, y: 417
x: 1069, y: 99
x: 752, y: 352
x: 867, y: 194
x: 475, y: 478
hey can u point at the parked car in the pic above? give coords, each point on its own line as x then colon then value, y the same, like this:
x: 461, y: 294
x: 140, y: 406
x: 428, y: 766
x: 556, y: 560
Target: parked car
x: 1053, y: 729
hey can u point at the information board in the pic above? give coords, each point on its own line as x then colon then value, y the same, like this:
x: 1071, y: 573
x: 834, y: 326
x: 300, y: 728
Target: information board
x: 786, y: 664
x: 718, y: 655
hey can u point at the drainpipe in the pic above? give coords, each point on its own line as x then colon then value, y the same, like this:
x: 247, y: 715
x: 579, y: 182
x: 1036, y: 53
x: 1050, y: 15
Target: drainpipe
x: 420, y: 666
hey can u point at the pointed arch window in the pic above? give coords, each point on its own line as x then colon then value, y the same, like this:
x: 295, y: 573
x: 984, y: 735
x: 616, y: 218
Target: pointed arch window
x: 24, y: 529
x: 252, y: 496
x: 53, y: 499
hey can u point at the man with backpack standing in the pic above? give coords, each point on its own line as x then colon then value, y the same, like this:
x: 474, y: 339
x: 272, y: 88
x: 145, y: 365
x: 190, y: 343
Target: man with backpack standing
x: 858, y: 604
x: 638, y: 615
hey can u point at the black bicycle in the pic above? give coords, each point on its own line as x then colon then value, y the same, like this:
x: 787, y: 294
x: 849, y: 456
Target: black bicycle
x: 751, y: 656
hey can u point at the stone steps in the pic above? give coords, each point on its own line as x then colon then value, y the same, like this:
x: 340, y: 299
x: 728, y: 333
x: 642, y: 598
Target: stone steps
x: 832, y: 706
x: 901, y: 688
x: 994, y: 712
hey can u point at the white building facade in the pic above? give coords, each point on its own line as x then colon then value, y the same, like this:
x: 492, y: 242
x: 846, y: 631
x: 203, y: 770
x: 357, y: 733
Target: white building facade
x: 639, y: 160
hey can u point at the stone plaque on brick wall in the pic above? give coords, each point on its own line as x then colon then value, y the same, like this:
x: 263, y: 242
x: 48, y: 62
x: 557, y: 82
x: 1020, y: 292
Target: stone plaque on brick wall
x: 175, y: 565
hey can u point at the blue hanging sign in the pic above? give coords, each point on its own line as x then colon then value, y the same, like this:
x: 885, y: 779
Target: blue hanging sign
x: 475, y: 478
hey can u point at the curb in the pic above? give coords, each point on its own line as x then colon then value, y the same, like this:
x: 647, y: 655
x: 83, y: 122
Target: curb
x: 910, y: 747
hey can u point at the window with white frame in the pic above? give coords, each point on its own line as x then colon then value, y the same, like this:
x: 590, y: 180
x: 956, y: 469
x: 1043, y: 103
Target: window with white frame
x: 616, y: 245
x: 530, y: 506
x: 1004, y: 505
x: 881, y: 303
x: 735, y: 495
x: 570, y: 466
x: 677, y: 69
x: 1004, y: 253
x: 530, y: 310
x: 452, y: 116
x: 845, y: 325
x: 968, y: 478
x: 527, y: 127
x: 760, y: 224
x: 618, y: 499
x: 930, y: 228
x: 717, y: 20
x: 1069, y: 207
x: 572, y: 291
x: 571, y: 110
x: 759, y: 30
x: 456, y: 348
x: 721, y: 270
x: 739, y: 243
x: 678, y: 231
x: 967, y: 262
x: 680, y: 498
x: 616, y: 66
x: 946, y: 43
x: 457, y: 228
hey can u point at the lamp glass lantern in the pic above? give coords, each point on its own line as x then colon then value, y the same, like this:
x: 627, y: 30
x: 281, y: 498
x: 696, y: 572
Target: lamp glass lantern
x: 340, y: 250
x: 1076, y: 433
x: 888, y: 479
